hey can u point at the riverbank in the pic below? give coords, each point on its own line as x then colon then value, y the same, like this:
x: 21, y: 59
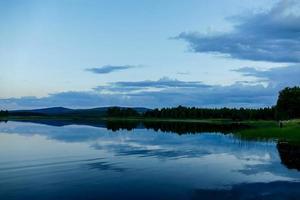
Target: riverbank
x: 252, y: 130
x: 268, y: 130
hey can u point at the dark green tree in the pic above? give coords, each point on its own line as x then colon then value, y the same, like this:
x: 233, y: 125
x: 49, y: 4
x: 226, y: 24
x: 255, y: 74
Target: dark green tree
x: 121, y: 112
x: 3, y: 113
x: 288, y: 103
x: 182, y: 112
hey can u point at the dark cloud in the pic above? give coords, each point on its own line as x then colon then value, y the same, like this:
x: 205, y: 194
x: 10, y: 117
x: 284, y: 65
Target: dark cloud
x: 163, y: 83
x: 277, y: 77
x: 273, y: 36
x: 109, y: 68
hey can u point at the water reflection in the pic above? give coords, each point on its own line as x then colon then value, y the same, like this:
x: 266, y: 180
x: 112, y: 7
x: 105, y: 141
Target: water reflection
x: 163, y: 126
x: 192, y: 128
x: 101, y: 165
x: 175, y: 127
x: 122, y: 125
x: 71, y: 162
x: 289, y: 154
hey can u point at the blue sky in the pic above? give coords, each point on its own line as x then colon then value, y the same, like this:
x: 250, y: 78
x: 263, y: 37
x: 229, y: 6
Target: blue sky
x: 78, y: 53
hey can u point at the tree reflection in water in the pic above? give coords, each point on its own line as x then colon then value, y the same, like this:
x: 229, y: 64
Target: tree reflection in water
x: 289, y: 154
x: 176, y: 127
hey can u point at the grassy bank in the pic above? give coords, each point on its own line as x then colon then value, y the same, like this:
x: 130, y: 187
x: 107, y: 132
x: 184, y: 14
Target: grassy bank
x: 270, y: 130
x: 256, y: 130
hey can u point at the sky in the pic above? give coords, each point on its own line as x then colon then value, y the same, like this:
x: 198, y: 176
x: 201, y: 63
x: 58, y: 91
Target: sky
x: 149, y: 53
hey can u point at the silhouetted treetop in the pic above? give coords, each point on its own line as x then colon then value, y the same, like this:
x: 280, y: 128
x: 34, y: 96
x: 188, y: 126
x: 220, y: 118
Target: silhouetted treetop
x: 121, y: 112
x: 182, y: 112
x: 288, y: 104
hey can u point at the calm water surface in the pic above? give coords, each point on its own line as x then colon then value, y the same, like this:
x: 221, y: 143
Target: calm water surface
x: 83, y: 162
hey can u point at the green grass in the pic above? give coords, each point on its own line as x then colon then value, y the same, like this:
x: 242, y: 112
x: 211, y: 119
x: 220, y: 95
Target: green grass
x: 269, y: 130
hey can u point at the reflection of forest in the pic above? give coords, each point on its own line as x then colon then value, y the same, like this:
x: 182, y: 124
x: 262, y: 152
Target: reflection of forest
x: 164, y: 126
x: 188, y: 127
x: 289, y: 154
x: 175, y: 127
x: 121, y: 125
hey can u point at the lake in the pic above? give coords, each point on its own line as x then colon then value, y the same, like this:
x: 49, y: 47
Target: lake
x: 107, y: 161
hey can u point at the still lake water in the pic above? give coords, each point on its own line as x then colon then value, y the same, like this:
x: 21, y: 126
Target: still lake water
x: 39, y: 161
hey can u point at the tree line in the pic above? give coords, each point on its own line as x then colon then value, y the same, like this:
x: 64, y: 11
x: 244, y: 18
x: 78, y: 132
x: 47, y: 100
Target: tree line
x: 287, y: 107
x: 182, y: 112
x: 121, y: 112
x: 3, y: 113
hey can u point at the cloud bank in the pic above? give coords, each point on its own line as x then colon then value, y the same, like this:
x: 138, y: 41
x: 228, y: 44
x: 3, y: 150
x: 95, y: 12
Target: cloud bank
x: 272, y: 35
x: 109, y: 69
x: 148, y: 85
x: 171, y: 92
x: 237, y: 95
x: 276, y: 77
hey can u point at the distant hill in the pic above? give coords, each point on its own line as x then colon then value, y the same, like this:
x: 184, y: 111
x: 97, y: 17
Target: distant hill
x: 61, y: 111
x: 46, y: 111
